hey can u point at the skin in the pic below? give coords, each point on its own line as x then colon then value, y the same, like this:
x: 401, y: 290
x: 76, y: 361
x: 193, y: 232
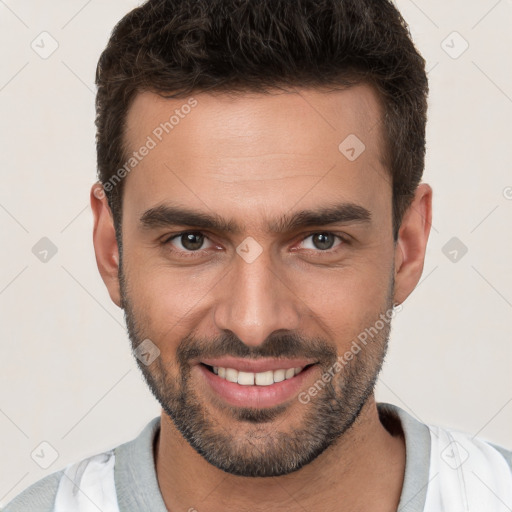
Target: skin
x: 250, y: 159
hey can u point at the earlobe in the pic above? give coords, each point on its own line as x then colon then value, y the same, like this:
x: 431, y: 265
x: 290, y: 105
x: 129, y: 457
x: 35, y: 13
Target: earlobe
x: 412, y: 243
x: 105, y: 242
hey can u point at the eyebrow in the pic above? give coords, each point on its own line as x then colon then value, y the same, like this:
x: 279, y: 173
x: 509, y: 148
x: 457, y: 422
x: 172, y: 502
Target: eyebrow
x: 170, y: 215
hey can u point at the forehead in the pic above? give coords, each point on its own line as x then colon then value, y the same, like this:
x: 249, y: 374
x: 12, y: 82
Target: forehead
x: 257, y: 151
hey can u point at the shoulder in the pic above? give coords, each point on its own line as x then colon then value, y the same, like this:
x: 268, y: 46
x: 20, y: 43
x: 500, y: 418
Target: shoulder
x: 39, y: 497
x: 446, y: 465
x: 450, y: 444
x: 506, y: 454
x: 96, y: 475
x: 456, y: 446
x: 60, y: 490
x: 469, y: 470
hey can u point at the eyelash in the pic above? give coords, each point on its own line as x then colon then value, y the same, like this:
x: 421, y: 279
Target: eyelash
x: 191, y: 254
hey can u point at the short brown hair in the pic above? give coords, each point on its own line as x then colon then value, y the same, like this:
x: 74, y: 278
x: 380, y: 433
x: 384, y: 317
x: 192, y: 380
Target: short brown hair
x: 176, y: 47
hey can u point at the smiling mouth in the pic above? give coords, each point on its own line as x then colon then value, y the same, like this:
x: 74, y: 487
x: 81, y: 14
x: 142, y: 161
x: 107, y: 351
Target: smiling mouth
x: 266, y: 378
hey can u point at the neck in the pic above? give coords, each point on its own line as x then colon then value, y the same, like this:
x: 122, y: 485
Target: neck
x: 364, y: 469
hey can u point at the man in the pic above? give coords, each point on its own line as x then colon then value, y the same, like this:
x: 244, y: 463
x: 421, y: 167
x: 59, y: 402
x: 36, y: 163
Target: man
x: 260, y: 219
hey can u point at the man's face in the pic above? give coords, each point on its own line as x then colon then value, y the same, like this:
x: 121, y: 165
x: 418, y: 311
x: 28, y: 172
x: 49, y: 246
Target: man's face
x: 285, y: 295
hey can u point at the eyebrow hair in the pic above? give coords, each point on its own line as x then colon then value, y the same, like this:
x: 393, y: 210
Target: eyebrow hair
x: 170, y: 215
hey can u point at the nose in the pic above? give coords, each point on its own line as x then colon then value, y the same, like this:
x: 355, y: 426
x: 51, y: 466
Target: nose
x: 256, y: 301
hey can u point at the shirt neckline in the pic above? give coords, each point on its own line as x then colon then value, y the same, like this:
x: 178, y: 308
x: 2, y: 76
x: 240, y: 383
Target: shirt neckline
x: 137, y: 484
x: 417, y: 455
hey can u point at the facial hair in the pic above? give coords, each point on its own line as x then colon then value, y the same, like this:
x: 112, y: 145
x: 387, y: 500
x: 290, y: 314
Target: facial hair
x: 261, y: 448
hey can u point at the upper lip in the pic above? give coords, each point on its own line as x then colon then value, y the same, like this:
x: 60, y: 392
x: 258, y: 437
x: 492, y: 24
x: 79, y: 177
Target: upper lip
x: 256, y: 365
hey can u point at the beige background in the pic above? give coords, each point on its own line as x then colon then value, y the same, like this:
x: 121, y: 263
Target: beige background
x: 67, y: 375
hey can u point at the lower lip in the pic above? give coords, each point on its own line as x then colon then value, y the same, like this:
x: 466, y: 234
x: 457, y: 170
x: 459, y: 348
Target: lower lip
x: 255, y: 396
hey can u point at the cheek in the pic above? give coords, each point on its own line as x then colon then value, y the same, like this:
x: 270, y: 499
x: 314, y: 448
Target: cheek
x: 347, y: 301
x: 168, y: 301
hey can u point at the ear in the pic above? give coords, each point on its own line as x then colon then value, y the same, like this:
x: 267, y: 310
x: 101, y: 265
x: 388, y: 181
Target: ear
x: 105, y: 243
x: 412, y: 243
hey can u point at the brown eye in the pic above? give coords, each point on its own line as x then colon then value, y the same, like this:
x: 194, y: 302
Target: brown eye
x: 189, y: 241
x: 192, y: 241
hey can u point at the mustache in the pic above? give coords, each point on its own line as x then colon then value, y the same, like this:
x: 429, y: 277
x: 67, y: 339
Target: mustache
x: 277, y: 345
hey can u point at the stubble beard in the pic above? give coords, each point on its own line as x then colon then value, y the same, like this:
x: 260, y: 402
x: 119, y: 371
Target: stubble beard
x: 252, y: 444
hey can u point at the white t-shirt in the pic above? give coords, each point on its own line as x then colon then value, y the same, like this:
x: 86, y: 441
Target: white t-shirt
x: 446, y: 471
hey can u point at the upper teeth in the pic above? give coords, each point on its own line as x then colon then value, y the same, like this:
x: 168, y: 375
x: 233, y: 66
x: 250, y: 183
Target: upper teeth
x: 260, y: 379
